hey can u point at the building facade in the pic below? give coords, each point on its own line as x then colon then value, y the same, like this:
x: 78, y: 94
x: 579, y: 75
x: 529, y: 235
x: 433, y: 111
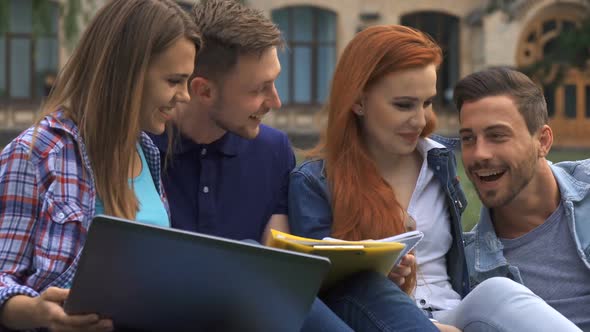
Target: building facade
x: 317, y: 31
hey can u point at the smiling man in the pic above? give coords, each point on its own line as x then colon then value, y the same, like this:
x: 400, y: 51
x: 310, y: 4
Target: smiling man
x: 534, y: 227
x: 228, y: 174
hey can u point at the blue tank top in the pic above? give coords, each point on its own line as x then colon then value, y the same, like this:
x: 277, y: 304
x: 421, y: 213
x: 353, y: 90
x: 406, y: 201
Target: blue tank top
x: 151, y: 208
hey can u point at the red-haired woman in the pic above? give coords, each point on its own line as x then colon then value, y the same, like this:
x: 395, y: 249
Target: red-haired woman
x: 375, y: 168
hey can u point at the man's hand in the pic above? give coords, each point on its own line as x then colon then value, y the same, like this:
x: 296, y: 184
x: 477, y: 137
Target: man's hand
x: 280, y: 222
x: 446, y: 328
x: 50, y: 313
x: 399, y: 273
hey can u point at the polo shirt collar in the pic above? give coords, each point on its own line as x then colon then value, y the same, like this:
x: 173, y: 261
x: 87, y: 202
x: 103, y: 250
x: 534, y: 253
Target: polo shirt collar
x: 229, y: 144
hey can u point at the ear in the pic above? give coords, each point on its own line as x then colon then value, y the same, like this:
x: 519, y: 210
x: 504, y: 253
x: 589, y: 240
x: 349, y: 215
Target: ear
x: 358, y: 107
x: 203, y: 90
x: 545, y: 140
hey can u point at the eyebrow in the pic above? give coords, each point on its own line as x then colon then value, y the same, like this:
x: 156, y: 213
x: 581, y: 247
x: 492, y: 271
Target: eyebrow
x: 180, y: 75
x: 496, y: 127
x: 411, y: 97
x: 490, y: 128
x: 465, y: 131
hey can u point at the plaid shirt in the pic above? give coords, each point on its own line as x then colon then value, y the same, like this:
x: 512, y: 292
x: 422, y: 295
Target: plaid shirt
x: 47, y: 201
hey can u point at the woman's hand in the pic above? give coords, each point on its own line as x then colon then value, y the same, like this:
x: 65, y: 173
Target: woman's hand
x: 48, y: 307
x: 399, y: 273
x: 24, y: 313
x: 51, y: 313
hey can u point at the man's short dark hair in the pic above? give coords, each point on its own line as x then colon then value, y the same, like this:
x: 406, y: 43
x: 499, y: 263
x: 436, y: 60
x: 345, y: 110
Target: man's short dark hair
x: 497, y: 81
x: 230, y: 29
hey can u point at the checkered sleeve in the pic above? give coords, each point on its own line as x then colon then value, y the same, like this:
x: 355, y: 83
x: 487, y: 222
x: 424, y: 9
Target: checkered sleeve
x: 18, y: 209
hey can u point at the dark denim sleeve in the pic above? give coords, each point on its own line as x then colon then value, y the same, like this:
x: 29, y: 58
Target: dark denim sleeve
x: 310, y: 213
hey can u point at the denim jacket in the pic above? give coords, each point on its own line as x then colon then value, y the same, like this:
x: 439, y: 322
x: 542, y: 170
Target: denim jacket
x: 484, y: 250
x: 310, y: 212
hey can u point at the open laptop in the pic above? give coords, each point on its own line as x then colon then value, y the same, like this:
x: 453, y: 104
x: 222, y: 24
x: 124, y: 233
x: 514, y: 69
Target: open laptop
x: 158, y: 279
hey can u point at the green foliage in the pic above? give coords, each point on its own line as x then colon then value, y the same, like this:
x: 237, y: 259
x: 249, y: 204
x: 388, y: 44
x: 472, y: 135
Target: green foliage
x: 42, y: 18
x: 571, y: 49
x: 42, y: 11
x: 4, y: 16
x: 510, y: 7
x: 71, y: 26
x: 575, y: 45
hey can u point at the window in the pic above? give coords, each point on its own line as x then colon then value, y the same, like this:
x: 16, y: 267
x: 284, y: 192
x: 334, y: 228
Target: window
x: 309, y: 60
x: 445, y: 30
x: 570, y: 101
x: 549, y: 92
x: 27, y: 57
x: 541, y: 39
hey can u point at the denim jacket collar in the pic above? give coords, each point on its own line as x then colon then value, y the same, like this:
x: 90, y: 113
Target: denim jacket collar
x: 570, y: 188
x: 449, y: 142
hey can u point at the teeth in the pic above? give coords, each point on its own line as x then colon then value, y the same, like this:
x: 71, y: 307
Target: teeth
x: 257, y: 117
x: 488, y: 173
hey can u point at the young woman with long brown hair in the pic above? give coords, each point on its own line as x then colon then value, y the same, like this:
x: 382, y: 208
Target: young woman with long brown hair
x: 89, y: 154
x: 375, y: 169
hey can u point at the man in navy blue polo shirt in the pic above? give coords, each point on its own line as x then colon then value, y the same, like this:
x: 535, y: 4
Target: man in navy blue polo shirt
x: 229, y: 174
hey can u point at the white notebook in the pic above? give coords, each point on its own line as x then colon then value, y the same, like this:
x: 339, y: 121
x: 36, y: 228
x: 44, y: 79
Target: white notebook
x: 410, y: 239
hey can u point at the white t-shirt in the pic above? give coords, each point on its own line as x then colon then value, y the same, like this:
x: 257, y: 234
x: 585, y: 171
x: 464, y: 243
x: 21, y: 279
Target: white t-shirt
x: 429, y: 208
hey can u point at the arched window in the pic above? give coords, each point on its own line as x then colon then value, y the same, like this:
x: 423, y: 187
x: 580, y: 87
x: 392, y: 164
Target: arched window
x: 27, y: 60
x: 445, y: 30
x: 309, y: 60
x: 569, y: 98
x: 567, y: 92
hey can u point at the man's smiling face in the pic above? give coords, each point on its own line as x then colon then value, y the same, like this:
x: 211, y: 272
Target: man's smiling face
x: 499, y: 154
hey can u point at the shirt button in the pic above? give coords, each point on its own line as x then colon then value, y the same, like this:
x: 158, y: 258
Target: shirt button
x: 422, y: 302
x: 203, y: 151
x: 205, y: 189
x: 61, y: 215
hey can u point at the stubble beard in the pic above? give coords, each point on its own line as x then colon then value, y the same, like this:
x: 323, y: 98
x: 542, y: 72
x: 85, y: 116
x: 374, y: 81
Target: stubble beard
x: 521, y: 176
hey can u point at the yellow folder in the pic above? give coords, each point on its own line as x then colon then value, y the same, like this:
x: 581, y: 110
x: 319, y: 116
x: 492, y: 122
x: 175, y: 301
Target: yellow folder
x: 347, y: 257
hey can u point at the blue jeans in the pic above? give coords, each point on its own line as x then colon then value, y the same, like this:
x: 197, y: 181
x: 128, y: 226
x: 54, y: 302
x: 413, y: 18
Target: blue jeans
x: 500, y: 305
x: 367, y: 302
x: 321, y: 319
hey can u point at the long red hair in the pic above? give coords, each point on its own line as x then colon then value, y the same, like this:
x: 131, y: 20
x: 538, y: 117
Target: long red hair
x: 364, y: 205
